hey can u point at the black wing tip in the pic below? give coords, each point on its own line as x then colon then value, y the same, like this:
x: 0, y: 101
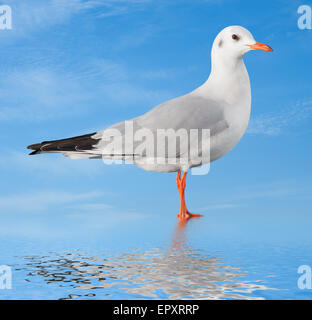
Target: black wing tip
x: 35, y: 147
x: 34, y: 152
x: 84, y: 142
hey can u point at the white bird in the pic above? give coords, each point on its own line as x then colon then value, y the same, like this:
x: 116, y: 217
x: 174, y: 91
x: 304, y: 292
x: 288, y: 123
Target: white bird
x: 221, y: 105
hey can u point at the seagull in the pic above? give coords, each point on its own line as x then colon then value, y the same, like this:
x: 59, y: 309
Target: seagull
x: 221, y: 105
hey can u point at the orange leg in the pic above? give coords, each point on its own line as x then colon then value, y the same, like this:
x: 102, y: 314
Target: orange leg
x: 184, y: 214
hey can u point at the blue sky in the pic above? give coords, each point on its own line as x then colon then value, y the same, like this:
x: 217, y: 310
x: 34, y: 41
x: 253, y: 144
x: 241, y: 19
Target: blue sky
x: 71, y: 67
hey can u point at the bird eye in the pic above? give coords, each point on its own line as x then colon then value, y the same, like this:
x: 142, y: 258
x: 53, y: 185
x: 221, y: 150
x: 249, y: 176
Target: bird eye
x: 235, y: 37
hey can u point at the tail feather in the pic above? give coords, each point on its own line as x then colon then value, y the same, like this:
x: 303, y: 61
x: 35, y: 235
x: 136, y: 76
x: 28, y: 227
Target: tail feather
x: 80, y: 143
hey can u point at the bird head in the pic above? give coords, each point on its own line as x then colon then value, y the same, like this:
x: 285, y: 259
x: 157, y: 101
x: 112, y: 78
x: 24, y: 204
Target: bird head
x: 236, y: 41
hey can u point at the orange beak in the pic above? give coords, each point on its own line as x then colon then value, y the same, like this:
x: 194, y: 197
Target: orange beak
x: 260, y: 46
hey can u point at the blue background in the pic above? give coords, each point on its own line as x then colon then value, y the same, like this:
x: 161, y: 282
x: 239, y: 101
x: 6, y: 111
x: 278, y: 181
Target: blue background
x: 73, y: 67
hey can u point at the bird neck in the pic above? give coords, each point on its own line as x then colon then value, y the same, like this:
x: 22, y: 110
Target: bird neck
x: 228, y: 80
x: 222, y: 64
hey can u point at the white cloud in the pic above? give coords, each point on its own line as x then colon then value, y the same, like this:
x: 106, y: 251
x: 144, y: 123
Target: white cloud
x: 158, y: 74
x: 51, y: 92
x: 120, y: 7
x: 93, y: 207
x: 70, y: 204
x: 47, y: 165
x: 34, y: 15
x: 127, y: 93
x: 42, y: 94
x: 42, y: 201
x: 269, y: 191
x: 275, y: 124
x: 219, y: 206
x: 57, y: 213
x: 237, y: 198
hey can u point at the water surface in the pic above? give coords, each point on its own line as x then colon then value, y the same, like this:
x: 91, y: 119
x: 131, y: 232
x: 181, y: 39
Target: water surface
x: 155, y: 258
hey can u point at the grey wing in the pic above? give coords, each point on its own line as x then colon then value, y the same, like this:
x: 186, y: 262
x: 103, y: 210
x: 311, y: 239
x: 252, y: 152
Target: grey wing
x: 186, y: 112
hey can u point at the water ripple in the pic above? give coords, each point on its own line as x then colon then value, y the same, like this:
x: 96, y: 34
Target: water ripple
x: 177, y: 272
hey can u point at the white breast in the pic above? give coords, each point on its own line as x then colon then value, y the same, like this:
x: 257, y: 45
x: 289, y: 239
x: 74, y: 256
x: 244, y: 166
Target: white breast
x: 233, y: 88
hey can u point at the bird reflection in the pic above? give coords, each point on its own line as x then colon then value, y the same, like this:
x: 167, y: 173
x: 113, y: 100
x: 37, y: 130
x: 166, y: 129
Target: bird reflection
x: 175, y: 272
x: 179, y: 237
